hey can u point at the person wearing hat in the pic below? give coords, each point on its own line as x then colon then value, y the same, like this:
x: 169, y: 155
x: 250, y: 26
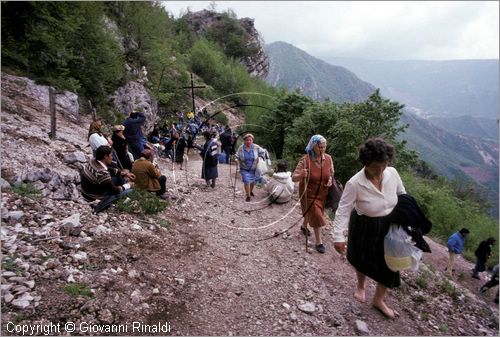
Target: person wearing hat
x: 147, y: 175
x: 455, y: 247
x: 133, y: 132
x: 120, y: 148
x: 247, y: 158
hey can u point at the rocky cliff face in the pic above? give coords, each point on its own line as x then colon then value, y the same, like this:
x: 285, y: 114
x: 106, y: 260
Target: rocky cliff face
x: 258, y: 64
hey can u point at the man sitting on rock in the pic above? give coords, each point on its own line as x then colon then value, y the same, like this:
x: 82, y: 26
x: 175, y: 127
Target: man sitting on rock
x: 148, y: 176
x: 101, y: 182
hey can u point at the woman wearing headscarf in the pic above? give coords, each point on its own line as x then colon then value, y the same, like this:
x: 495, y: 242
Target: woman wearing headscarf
x: 247, y: 157
x: 366, y: 204
x: 209, y: 153
x: 96, y: 137
x: 120, y: 148
x: 315, y: 174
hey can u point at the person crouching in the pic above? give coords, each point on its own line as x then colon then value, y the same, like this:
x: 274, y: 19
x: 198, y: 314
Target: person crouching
x: 280, y: 186
x: 147, y: 175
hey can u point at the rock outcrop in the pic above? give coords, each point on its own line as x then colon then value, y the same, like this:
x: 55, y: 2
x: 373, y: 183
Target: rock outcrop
x: 36, y: 97
x: 134, y: 95
x: 258, y: 64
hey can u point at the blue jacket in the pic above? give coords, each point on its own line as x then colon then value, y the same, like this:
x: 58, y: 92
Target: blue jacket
x: 456, y: 243
x: 133, y: 130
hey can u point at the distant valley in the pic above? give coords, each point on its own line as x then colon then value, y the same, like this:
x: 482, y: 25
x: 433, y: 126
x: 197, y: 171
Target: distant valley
x: 451, y: 106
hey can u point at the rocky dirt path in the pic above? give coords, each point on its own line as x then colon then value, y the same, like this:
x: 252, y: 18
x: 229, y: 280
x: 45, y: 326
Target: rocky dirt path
x: 210, y: 264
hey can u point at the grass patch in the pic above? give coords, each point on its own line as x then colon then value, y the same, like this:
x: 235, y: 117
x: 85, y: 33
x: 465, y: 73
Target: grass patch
x: 18, y: 318
x: 27, y: 190
x: 8, y: 263
x: 443, y: 327
x: 164, y: 223
x: 139, y: 201
x: 46, y: 258
x: 78, y: 289
x: 421, y: 282
x: 449, y: 289
x: 420, y: 298
x: 461, y: 277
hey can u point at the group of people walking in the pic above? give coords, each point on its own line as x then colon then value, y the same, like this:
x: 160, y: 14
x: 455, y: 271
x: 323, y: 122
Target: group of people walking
x: 364, y: 213
x: 455, y: 246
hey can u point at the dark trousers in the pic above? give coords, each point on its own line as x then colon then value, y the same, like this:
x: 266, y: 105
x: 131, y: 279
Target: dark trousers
x: 163, y: 185
x: 227, y: 151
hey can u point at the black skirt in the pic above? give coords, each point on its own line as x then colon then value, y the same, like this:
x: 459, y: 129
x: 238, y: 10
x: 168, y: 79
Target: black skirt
x: 365, y: 248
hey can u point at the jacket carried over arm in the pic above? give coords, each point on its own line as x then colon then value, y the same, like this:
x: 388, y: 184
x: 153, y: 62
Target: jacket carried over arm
x: 360, y: 194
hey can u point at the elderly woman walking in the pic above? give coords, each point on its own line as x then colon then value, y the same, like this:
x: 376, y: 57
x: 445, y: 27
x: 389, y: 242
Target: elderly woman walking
x: 247, y: 158
x: 368, y: 198
x: 315, y: 174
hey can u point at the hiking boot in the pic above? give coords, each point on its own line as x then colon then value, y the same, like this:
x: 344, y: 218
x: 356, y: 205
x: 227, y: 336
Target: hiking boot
x: 213, y: 184
x: 321, y: 248
x: 247, y: 199
x: 251, y: 194
x: 306, y: 231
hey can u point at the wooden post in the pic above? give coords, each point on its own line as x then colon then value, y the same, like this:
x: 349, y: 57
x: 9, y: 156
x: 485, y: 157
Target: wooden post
x: 52, y: 108
x: 94, y: 113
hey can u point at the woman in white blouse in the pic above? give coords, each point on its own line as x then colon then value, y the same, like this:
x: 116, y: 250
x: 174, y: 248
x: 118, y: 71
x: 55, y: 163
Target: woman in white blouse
x: 368, y: 197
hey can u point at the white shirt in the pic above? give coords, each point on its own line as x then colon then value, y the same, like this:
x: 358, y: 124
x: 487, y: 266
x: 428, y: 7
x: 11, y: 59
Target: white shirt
x: 97, y: 140
x: 360, y: 194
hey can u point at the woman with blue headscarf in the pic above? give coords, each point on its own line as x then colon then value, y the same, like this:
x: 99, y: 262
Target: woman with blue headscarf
x: 315, y: 174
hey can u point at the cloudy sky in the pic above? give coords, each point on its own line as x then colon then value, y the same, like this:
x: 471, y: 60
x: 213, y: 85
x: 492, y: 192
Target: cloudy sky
x: 390, y: 30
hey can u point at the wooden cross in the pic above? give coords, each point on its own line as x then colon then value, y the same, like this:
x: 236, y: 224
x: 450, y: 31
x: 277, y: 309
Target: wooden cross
x: 192, y: 87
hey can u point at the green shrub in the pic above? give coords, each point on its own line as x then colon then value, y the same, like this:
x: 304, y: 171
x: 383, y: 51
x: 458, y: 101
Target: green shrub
x: 449, y: 289
x: 449, y: 213
x: 141, y: 201
x: 27, y: 190
x: 421, y: 281
x: 164, y: 223
x: 78, y: 289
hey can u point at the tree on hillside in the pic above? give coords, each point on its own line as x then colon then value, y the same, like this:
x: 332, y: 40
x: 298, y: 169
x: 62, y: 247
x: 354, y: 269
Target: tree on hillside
x: 347, y: 126
x: 63, y: 44
x: 289, y: 107
x: 230, y: 36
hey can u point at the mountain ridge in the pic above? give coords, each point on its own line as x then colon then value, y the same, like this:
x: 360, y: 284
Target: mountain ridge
x: 314, y: 76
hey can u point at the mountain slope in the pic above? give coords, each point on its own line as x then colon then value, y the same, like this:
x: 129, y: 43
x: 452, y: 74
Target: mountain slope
x: 444, y: 88
x: 191, y: 265
x: 294, y: 68
x: 455, y: 156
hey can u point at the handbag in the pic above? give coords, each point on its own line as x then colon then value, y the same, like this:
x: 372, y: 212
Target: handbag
x: 334, y: 195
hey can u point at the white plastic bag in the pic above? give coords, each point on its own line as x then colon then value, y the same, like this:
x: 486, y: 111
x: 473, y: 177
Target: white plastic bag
x: 400, y: 252
x: 261, y: 168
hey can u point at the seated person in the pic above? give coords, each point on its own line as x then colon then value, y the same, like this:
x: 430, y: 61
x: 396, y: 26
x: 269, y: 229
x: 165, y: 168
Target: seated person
x: 99, y: 180
x: 147, y: 175
x: 96, y: 136
x: 280, y: 186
